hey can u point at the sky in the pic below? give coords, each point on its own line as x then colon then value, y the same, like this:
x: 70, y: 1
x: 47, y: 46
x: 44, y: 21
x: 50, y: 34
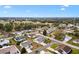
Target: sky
x: 39, y: 10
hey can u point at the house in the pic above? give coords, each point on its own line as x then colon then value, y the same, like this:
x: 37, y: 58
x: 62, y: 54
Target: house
x: 19, y: 38
x: 17, y: 33
x: 9, y: 50
x: 27, y: 45
x: 68, y: 31
x: 70, y: 25
x: 3, y: 41
x: 67, y: 38
x: 44, y: 52
x: 39, y: 39
x: 63, y: 49
x: 30, y: 35
x: 49, y: 31
x: 62, y: 25
x: 76, y: 41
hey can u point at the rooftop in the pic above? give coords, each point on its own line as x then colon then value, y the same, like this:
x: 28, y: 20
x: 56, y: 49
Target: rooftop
x: 9, y: 50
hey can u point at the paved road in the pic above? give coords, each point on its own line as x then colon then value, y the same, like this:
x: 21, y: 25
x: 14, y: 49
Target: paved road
x: 72, y: 46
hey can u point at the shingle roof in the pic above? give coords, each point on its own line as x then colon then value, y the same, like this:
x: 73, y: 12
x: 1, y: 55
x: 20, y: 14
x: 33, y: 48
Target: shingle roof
x: 9, y: 50
x: 60, y: 48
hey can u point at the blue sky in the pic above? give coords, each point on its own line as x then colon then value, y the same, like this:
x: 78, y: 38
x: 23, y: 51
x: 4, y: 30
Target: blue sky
x: 39, y: 10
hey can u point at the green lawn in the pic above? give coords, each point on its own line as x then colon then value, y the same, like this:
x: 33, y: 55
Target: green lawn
x: 12, y: 41
x: 47, y: 41
x: 54, y: 46
x: 71, y: 41
x: 75, y: 51
x: 60, y: 38
x: 49, y: 35
x: 1, y: 35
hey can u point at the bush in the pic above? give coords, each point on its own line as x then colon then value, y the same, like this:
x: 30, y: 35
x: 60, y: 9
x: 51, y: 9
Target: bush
x: 0, y: 46
x: 45, y: 32
x: 18, y: 43
x: 23, y: 50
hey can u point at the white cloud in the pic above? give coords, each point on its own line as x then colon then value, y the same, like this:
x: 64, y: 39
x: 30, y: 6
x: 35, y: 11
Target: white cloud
x: 62, y: 9
x: 7, y: 7
x: 66, y: 5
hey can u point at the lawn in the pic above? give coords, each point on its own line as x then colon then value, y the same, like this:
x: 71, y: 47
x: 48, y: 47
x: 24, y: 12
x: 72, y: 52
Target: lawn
x: 54, y: 46
x: 49, y: 35
x: 12, y: 41
x: 60, y: 38
x: 71, y: 41
x: 47, y: 40
x: 1, y: 35
x: 75, y: 51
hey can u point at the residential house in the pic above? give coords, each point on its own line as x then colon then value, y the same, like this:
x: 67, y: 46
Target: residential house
x: 19, y: 38
x: 27, y: 45
x: 63, y: 49
x: 3, y: 41
x: 39, y: 39
x: 9, y: 50
x: 67, y: 38
x: 76, y: 41
x: 49, y: 31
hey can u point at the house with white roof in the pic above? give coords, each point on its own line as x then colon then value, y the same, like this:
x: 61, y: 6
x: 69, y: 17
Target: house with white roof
x: 67, y: 38
x: 27, y: 45
x: 50, y: 30
x: 39, y: 39
x: 3, y: 41
x: 17, y: 33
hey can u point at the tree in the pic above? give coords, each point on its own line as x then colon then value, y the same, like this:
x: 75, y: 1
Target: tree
x: 1, y: 26
x: 0, y: 46
x: 36, y: 51
x: 18, y: 43
x: 8, y: 27
x: 23, y: 50
x: 45, y: 32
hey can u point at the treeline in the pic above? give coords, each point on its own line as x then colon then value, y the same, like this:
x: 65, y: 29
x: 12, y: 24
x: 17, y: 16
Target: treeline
x: 42, y: 19
x: 19, y: 26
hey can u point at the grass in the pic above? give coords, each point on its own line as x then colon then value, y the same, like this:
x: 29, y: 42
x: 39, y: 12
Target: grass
x: 71, y: 41
x: 54, y: 46
x: 47, y: 41
x: 1, y: 35
x: 49, y: 35
x: 75, y: 51
x: 12, y: 42
x: 60, y: 38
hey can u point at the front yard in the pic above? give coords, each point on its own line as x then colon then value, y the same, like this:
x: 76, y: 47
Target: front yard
x: 71, y: 41
x: 54, y: 46
x: 74, y: 51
